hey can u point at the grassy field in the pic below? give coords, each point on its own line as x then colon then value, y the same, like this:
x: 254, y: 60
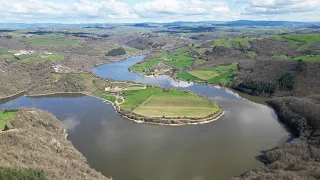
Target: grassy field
x: 86, y: 75
x: 108, y: 97
x: 179, y: 61
x: 145, y: 66
x: 307, y: 39
x: 4, y: 52
x: 54, y: 40
x: 199, y: 62
x: 301, y: 41
x: 221, y: 74
x: 176, y: 106
x: 37, y: 58
x: 205, y: 75
x: 5, y: 119
x: 157, y: 103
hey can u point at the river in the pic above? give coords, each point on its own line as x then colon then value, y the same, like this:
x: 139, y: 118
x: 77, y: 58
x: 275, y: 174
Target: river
x: 124, y: 150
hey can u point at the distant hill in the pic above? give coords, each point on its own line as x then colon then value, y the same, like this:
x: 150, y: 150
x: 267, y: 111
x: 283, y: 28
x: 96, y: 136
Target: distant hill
x: 178, y: 23
x: 264, y: 23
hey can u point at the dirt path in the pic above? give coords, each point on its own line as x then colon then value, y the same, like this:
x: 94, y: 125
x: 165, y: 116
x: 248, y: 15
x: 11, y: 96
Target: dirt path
x: 134, y: 88
x: 119, y: 97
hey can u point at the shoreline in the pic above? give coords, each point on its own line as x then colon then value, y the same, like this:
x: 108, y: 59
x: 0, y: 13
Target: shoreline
x: 16, y: 94
x: 118, y: 111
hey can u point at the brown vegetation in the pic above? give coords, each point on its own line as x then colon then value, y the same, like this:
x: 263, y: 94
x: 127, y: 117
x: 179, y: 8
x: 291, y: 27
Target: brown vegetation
x: 39, y: 143
x: 269, y: 47
x: 271, y: 71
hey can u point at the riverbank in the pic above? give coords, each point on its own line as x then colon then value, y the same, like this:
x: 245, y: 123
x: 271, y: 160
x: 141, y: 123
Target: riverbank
x: 163, y: 121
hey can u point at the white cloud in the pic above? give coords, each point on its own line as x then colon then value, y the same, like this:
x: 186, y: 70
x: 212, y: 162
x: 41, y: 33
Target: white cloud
x: 87, y: 11
x: 180, y: 7
x: 299, y: 10
x: 82, y: 10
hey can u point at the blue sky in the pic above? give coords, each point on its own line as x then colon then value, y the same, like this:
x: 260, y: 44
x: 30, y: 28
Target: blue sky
x: 103, y: 11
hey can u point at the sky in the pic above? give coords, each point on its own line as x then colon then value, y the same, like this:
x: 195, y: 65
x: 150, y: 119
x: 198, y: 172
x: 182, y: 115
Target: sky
x: 136, y: 11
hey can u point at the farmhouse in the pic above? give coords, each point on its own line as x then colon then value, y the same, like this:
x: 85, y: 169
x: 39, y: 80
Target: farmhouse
x: 113, y: 89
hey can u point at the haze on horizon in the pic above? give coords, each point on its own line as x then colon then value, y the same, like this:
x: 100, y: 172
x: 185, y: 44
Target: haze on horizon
x: 135, y: 11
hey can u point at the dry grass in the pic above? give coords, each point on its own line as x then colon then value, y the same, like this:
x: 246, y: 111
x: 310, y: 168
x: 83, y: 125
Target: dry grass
x: 39, y: 143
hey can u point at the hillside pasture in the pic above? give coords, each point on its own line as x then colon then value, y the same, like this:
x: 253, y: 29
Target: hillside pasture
x: 52, y: 40
x: 145, y: 65
x: 309, y: 58
x: 301, y: 41
x: 39, y: 58
x: 219, y: 74
x: 180, y: 61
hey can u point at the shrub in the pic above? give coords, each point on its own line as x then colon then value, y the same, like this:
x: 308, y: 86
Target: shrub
x: 259, y: 86
x: 25, y: 174
x: 116, y: 52
x: 6, y: 128
x: 301, y: 66
x: 287, y: 81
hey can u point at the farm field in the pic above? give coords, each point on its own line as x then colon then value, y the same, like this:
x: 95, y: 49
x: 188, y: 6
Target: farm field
x: 220, y: 74
x: 155, y: 102
x: 54, y: 40
x: 5, y: 118
x: 176, y: 106
x: 205, y: 75
x: 39, y: 58
x: 179, y: 59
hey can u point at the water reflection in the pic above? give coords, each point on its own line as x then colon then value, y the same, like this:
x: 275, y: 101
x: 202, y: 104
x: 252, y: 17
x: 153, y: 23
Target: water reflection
x: 70, y: 123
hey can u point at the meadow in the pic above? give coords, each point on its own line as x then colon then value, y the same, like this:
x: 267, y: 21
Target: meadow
x: 179, y: 61
x: 176, y: 106
x: 220, y: 74
x: 5, y: 118
x: 155, y: 102
x: 53, y: 40
x: 39, y: 58
x: 301, y: 41
x: 146, y: 66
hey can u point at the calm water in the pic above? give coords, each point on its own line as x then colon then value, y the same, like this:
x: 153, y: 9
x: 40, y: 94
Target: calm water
x: 124, y: 150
